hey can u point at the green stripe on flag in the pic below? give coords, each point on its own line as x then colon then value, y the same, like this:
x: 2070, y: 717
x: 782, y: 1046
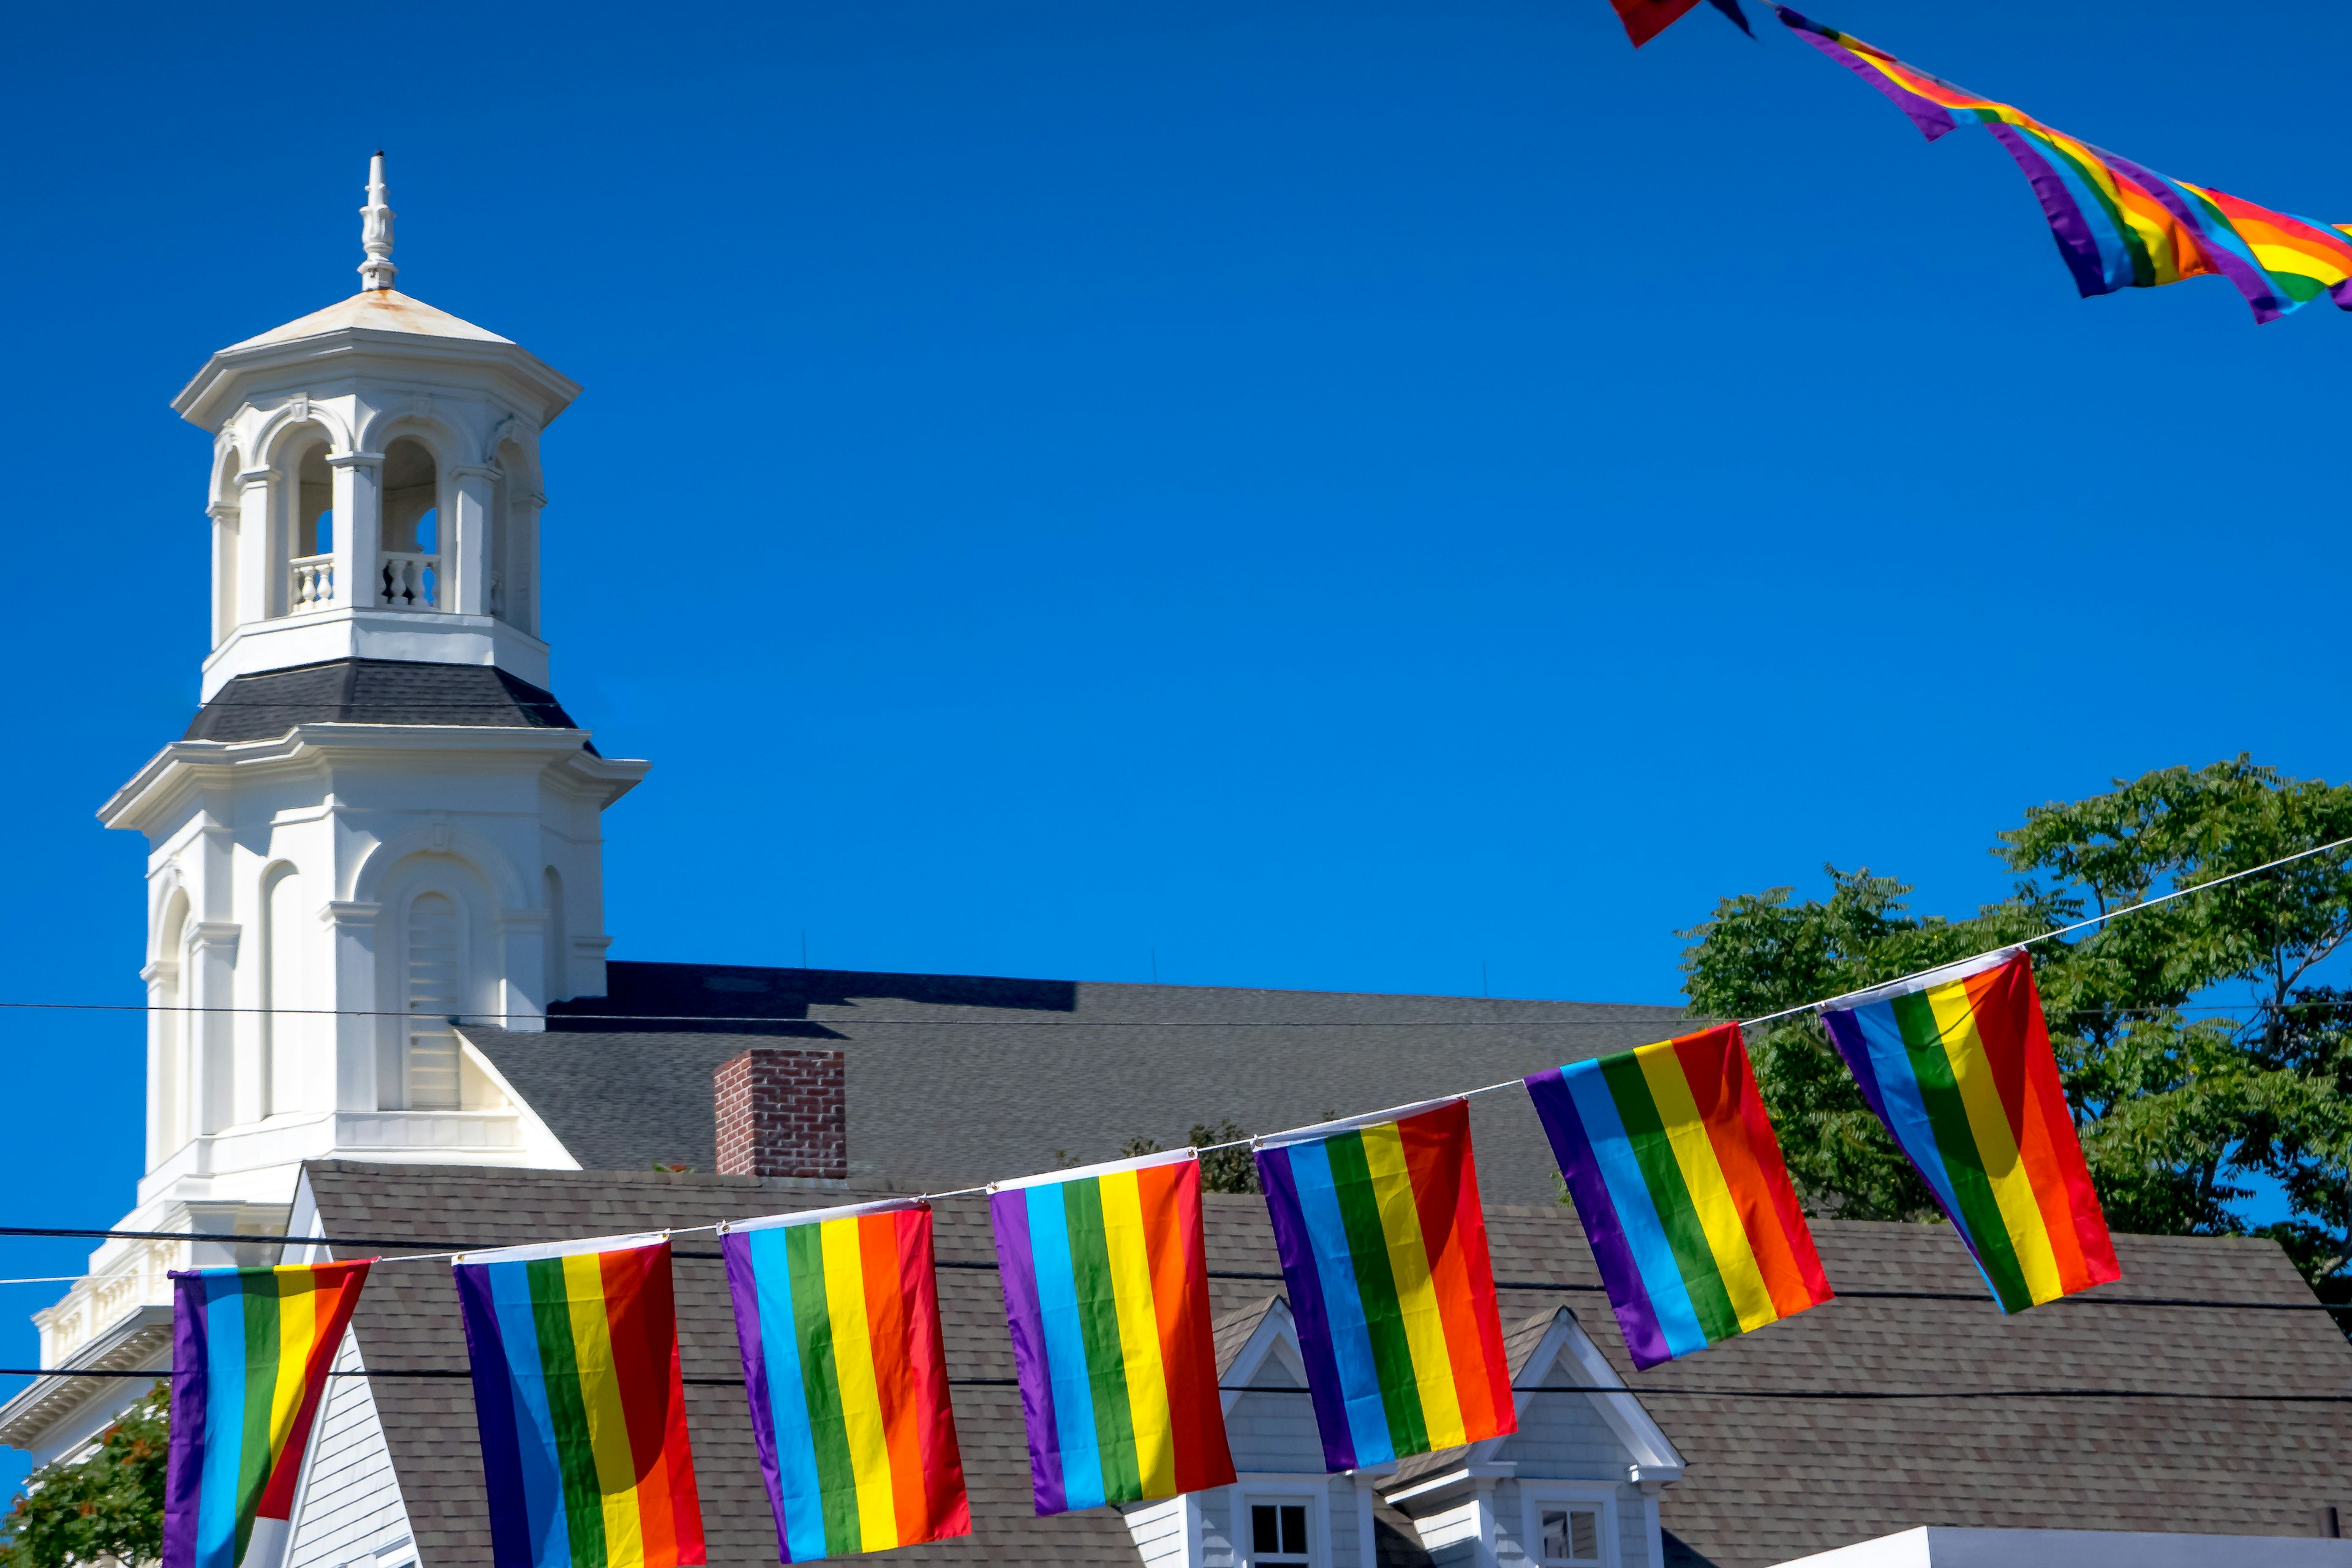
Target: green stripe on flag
x: 1645, y: 1129
x: 1098, y: 1331
x: 257, y: 1295
x: 836, y: 1475
x: 584, y: 1498
x: 1923, y: 1042
x: 1368, y: 1254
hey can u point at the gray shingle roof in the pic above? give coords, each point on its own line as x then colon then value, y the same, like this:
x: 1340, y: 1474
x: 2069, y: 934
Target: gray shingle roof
x: 264, y: 706
x: 1770, y: 1478
x: 1033, y: 1067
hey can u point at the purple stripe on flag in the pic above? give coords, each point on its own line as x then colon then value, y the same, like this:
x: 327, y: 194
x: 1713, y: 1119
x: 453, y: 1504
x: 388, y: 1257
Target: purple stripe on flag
x: 184, y: 1472
x: 1307, y: 1308
x: 1932, y: 117
x: 2076, y: 241
x: 494, y: 1415
x: 1846, y: 1035
x: 1571, y: 1145
x: 743, y: 1290
x: 1008, y: 1213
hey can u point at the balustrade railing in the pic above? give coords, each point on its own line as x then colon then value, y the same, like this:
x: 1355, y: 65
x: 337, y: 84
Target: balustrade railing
x: 409, y: 582
x: 313, y: 583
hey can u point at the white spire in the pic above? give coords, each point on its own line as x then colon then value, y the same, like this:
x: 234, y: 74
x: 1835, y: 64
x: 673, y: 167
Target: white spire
x: 375, y: 232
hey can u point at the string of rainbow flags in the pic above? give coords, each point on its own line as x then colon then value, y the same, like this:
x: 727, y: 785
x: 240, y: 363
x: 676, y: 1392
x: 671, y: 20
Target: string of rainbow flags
x: 2118, y: 224
x: 1667, y: 1152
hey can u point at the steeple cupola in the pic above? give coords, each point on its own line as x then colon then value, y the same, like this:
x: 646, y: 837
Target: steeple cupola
x: 375, y: 490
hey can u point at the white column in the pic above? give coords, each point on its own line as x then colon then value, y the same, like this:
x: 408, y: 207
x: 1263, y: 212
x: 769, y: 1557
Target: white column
x: 255, y: 599
x: 356, y: 1037
x: 212, y: 955
x: 162, y: 1034
x: 522, y: 560
x: 523, y: 986
x: 1367, y: 1529
x: 465, y: 544
x: 225, y: 516
x: 359, y: 526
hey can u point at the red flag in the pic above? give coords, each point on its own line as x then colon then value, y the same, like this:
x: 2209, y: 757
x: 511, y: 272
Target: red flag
x: 1645, y: 20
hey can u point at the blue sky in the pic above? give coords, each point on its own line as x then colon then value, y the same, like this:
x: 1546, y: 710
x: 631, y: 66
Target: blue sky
x: 1360, y: 495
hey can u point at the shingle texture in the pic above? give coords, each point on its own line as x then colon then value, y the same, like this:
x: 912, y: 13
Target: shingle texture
x: 1771, y: 1476
x: 1036, y: 1067
x: 263, y: 707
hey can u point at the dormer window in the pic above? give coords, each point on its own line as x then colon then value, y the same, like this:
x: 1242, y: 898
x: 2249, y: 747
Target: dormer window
x: 1277, y: 1537
x: 408, y: 569
x: 1571, y: 1537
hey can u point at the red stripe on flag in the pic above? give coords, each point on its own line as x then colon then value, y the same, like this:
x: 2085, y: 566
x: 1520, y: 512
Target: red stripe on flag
x: 1444, y: 1177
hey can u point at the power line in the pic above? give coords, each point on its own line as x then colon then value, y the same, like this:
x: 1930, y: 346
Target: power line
x: 447, y: 1249
x: 1743, y: 1395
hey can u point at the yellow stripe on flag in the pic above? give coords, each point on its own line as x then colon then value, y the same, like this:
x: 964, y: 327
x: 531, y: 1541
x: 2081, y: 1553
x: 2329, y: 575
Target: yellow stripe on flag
x: 1424, y: 1327
x: 1139, y: 1331
x: 2013, y: 1187
x: 861, y: 1403
x: 600, y: 1397
x: 298, y: 1326
x: 1718, y: 1211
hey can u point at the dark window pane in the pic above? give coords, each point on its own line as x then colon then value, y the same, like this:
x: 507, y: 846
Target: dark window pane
x: 1584, y: 1535
x: 1555, y: 1534
x: 1263, y: 1533
x: 1294, y: 1532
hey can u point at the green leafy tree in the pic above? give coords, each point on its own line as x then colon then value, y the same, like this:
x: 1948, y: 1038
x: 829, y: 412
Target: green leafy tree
x: 1222, y: 1170
x: 2196, y: 1050
x: 107, y: 1505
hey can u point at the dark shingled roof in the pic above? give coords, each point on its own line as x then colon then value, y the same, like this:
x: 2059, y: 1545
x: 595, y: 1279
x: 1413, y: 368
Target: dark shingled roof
x: 264, y: 706
x: 1033, y: 1068
x: 1770, y: 1478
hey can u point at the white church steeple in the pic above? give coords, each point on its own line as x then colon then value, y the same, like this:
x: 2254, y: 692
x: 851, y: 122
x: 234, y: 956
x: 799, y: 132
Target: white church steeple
x: 376, y: 488
x: 381, y: 830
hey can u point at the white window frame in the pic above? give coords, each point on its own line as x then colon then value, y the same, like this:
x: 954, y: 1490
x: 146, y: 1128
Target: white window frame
x: 1535, y: 1496
x: 1313, y: 1491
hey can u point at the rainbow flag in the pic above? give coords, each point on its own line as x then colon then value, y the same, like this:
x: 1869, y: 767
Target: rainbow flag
x: 1383, y: 1248
x: 838, y: 1317
x: 2117, y: 224
x: 582, y: 1410
x: 1107, y: 1291
x: 1956, y: 1064
x: 250, y: 1351
x: 1679, y: 1183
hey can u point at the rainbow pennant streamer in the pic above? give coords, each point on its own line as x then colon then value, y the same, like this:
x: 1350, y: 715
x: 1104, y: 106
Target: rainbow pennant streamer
x: 1107, y: 1292
x: 2117, y: 224
x: 581, y: 1406
x: 250, y: 1351
x: 1383, y: 1248
x: 838, y: 1316
x: 1956, y: 1064
x: 1679, y: 1183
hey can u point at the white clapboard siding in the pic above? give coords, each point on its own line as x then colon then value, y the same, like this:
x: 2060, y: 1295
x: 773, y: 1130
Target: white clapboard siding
x: 349, y: 1507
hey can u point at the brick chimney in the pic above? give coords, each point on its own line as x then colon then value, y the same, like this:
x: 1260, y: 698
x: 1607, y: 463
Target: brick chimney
x: 783, y: 1113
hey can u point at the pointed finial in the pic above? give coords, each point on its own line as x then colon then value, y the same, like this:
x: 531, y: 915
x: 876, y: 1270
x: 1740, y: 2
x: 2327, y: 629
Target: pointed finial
x: 376, y: 231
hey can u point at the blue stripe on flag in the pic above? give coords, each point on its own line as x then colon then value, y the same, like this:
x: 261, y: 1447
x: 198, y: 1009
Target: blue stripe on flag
x: 1628, y: 1193
x: 779, y: 1339
x: 1343, y: 1305
x: 1066, y: 1346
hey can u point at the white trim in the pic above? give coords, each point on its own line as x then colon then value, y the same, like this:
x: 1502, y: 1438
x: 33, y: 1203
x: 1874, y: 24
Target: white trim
x: 1276, y: 1330
x: 1924, y: 980
x: 1313, y: 1491
x: 1655, y: 1456
x: 1349, y: 1124
x: 1368, y: 1551
x: 1081, y: 1173
x: 818, y: 1217
x: 1534, y: 1496
x: 566, y: 1248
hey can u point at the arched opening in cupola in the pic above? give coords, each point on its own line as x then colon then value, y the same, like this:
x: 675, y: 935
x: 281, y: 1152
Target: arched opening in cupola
x: 310, y: 526
x: 409, y: 568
